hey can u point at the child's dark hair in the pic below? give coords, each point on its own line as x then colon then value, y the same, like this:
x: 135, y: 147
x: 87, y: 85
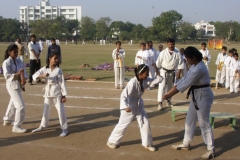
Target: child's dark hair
x: 204, y: 44
x: 224, y: 48
x: 51, y: 55
x: 182, y: 50
x: 234, y: 50
x: 144, y: 44
x: 33, y: 36
x: 192, y: 52
x: 230, y: 51
x: 138, y: 70
x: 118, y: 42
x: 235, y: 54
x: 10, y: 48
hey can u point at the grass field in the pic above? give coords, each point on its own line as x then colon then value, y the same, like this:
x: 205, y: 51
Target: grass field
x: 76, y: 55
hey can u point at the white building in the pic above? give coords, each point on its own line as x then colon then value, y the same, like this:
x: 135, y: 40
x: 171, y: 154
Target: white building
x: 209, y: 29
x: 45, y: 11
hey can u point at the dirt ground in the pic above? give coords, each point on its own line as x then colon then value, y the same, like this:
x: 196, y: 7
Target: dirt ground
x: 93, y: 111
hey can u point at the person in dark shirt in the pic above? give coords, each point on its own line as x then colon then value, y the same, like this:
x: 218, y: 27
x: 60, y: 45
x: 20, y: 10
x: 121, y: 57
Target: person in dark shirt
x: 54, y: 48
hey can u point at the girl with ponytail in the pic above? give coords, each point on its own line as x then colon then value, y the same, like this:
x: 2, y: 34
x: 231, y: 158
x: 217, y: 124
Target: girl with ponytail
x: 15, y: 75
x: 132, y: 106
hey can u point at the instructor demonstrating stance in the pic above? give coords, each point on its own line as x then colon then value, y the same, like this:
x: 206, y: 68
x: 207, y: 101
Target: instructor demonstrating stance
x: 198, y: 80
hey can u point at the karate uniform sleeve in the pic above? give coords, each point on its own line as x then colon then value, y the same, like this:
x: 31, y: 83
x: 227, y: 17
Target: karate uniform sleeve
x: 226, y: 62
x: 136, y: 59
x: 114, y: 54
x: 38, y: 73
x: 6, y: 71
x: 209, y: 57
x: 126, y: 93
x: 61, y: 82
x: 160, y: 60
x: 145, y: 57
x: 152, y: 81
x: 24, y: 71
x: 217, y: 60
x: 180, y: 62
x: 188, y: 80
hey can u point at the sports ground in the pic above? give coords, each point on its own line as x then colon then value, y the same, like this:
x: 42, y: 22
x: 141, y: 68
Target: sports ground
x: 92, y: 109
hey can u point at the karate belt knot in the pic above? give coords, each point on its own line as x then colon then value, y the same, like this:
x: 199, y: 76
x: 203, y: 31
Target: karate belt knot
x: 191, y: 89
x: 120, y: 61
x: 48, y: 87
x: 168, y: 72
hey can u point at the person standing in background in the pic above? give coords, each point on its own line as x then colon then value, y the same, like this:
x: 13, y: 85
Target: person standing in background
x: 118, y: 56
x: 206, y: 55
x: 35, y: 63
x: 21, y: 49
x: 54, y: 48
x: 40, y: 42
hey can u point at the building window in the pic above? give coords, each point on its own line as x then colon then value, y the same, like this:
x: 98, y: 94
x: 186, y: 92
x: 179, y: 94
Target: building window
x: 22, y: 16
x: 42, y: 7
x: 30, y: 10
x: 209, y: 32
x: 43, y: 13
x: 37, y: 11
x: 30, y: 15
x: 22, y: 10
x: 48, y: 11
x: 54, y: 10
x: 63, y: 10
x: 54, y: 15
x: 71, y: 15
x: 71, y: 10
x: 48, y: 17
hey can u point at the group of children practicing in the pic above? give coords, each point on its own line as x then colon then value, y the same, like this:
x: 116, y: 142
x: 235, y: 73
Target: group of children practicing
x: 163, y: 68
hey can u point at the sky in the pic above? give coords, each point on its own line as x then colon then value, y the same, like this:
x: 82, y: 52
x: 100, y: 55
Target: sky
x: 139, y: 11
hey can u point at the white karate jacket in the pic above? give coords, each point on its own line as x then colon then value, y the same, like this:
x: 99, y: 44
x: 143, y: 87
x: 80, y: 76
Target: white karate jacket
x: 119, y: 60
x: 131, y: 96
x: 9, y: 69
x: 55, y: 82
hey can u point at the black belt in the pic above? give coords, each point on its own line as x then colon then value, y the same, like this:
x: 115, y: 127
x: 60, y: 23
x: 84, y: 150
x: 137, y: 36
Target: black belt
x: 192, y: 88
x: 169, y: 71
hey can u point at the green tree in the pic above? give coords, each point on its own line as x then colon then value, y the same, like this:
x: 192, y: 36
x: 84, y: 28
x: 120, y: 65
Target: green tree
x: 102, y: 27
x: 186, y: 31
x: 137, y: 30
x: 88, y: 28
x: 166, y: 25
x: 9, y: 29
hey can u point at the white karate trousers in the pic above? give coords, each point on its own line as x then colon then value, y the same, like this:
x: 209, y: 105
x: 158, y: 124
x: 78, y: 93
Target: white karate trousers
x: 125, y: 119
x: 227, y: 83
x: 60, y: 109
x: 166, y: 84
x: 221, y: 76
x: 234, y: 84
x: 16, y: 106
x: 202, y: 115
x: 119, y: 76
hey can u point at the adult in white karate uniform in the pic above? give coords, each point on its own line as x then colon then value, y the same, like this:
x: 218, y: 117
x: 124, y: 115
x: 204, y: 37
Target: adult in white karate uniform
x: 118, y: 56
x: 21, y: 49
x: 206, y: 55
x: 169, y: 61
x: 55, y: 92
x: 40, y: 42
x: 202, y: 97
x: 227, y: 63
x: 13, y: 68
x: 221, y: 68
x: 142, y: 55
x: 234, y: 74
x: 132, y: 106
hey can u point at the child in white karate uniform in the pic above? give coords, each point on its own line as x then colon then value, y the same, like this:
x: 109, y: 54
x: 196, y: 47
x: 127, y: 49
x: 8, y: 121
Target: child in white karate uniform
x: 197, y: 78
x: 55, y: 92
x: 132, y: 106
x: 13, y: 69
x: 142, y: 55
x: 234, y: 74
x: 227, y: 63
x: 118, y: 56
